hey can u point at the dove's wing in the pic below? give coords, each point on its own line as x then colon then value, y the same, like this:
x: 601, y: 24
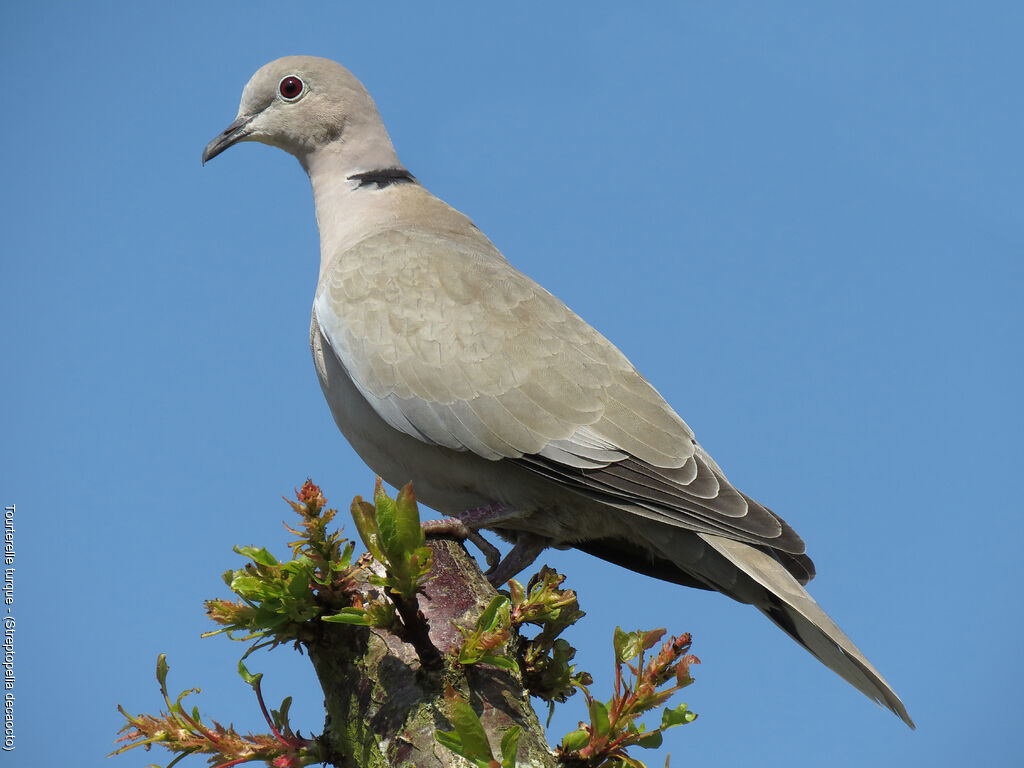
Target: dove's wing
x: 451, y: 345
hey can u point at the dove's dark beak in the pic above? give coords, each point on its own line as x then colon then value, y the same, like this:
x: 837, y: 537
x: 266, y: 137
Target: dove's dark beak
x: 234, y: 133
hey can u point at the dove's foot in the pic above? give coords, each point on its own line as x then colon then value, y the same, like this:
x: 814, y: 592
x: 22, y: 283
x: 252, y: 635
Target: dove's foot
x: 522, y: 555
x: 466, y: 526
x: 453, y: 526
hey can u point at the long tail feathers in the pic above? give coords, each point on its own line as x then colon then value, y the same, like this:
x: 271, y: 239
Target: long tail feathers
x: 787, y: 604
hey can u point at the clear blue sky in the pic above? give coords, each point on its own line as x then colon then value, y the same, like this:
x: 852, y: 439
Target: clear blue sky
x: 803, y: 224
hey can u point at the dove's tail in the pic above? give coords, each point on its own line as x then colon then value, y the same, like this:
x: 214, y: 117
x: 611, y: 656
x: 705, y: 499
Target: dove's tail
x: 774, y: 591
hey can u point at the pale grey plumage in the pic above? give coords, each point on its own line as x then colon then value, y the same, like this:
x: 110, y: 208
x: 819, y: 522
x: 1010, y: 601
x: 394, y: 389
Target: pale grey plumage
x: 444, y: 365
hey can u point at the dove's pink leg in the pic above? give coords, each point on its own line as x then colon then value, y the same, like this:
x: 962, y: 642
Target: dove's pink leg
x: 466, y: 525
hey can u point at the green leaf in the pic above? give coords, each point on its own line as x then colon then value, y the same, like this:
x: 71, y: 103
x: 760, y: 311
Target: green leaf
x: 248, y: 676
x: 677, y: 716
x: 248, y: 586
x: 627, y: 645
x: 345, y: 559
x: 451, y: 740
x: 509, y: 746
x: 407, y: 519
x: 422, y: 561
x: 281, y: 715
x: 599, y: 718
x: 651, y: 740
x: 499, y: 660
x: 576, y: 740
x: 260, y: 555
x: 469, y: 654
x: 298, y: 586
x: 470, y: 730
x: 390, y: 544
x: 176, y: 707
x: 161, y: 670
x: 364, y: 515
x: 355, y: 616
x: 387, y: 525
x: 488, y: 619
x: 380, y: 614
x: 517, y: 592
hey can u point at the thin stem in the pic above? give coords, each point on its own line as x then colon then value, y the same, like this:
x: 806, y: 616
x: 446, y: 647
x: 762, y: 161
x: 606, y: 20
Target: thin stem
x: 266, y: 716
x: 236, y: 761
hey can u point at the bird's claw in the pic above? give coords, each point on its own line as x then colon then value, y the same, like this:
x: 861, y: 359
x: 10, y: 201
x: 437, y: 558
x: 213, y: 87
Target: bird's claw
x: 452, y: 526
x: 490, y: 552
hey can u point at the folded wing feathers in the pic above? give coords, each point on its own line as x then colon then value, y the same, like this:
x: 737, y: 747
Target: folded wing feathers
x: 623, y: 486
x: 528, y: 381
x: 477, y: 435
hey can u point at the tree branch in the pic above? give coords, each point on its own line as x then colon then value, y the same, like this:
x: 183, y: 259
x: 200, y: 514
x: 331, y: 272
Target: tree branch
x: 384, y: 707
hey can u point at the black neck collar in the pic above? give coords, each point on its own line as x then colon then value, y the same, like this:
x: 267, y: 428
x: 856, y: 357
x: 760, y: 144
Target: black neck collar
x: 383, y: 177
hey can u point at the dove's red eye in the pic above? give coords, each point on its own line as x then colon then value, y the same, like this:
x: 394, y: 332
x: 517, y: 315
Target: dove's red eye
x: 290, y: 88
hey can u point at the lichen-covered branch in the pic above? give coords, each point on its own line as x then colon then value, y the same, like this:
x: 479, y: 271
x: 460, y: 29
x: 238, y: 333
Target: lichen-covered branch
x: 385, y: 709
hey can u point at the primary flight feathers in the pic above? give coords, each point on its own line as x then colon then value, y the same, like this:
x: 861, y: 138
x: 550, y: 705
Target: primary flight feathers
x: 444, y: 365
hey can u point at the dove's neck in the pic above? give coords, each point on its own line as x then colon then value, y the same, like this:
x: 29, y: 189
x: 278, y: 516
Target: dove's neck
x: 348, y: 210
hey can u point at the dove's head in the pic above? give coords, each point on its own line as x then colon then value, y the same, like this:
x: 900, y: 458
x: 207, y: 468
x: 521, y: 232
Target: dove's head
x: 304, y: 104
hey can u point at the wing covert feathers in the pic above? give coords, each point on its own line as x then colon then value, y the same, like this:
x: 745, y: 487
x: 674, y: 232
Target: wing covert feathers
x: 452, y: 345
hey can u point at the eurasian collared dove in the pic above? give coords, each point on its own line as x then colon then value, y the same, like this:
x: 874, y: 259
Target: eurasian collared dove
x: 445, y: 366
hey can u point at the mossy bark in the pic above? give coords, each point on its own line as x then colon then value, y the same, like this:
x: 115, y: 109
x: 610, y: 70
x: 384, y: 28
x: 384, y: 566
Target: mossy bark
x: 384, y: 708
